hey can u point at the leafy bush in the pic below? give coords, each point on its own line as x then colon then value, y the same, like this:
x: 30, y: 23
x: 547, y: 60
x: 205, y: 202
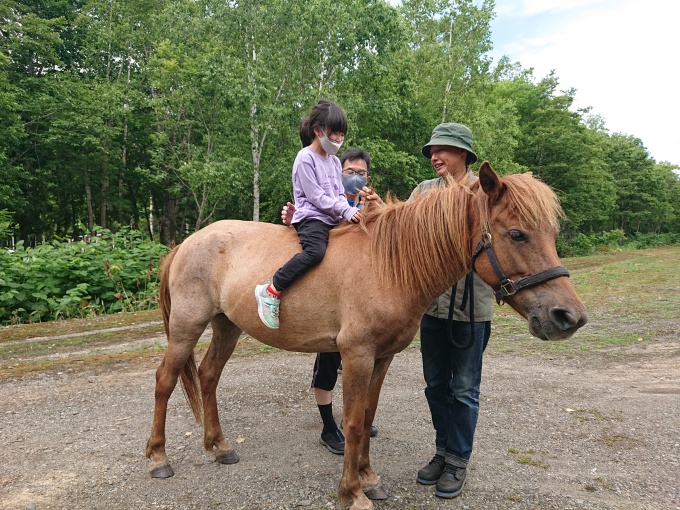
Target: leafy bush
x: 639, y: 240
x: 111, y: 273
x: 613, y: 240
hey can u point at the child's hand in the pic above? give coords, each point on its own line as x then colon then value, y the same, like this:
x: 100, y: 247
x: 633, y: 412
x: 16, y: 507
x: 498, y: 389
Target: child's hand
x: 357, y: 217
x: 287, y: 213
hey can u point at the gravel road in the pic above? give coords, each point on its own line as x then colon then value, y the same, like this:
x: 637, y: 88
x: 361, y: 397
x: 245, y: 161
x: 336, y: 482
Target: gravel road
x: 589, y: 431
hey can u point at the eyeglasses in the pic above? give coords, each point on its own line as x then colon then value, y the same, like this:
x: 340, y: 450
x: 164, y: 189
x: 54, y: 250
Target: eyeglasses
x: 352, y: 171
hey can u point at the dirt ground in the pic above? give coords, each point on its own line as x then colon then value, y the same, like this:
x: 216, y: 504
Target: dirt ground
x: 584, y: 431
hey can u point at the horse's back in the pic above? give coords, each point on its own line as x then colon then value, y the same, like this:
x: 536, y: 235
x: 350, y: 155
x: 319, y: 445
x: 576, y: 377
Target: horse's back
x: 217, y: 268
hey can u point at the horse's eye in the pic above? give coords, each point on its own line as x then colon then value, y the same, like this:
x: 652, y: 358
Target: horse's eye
x: 517, y: 235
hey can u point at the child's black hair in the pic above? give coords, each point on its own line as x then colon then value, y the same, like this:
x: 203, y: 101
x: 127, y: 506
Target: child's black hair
x: 328, y: 116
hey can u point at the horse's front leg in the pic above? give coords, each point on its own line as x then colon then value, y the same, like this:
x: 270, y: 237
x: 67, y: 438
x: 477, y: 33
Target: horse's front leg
x: 370, y: 481
x: 224, y: 338
x: 357, y: 368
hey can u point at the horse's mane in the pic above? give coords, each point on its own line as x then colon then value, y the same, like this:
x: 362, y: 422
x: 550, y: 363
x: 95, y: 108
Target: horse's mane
x: 417, y: 245
x: 530, y: 200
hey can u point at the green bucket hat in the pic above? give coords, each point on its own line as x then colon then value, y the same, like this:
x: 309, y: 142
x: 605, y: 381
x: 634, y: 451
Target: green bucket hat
x: 453, y: 135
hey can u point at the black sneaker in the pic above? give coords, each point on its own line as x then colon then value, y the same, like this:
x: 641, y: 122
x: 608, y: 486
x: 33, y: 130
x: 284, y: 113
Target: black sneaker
x: 334, y: 441
x: 374, y: 429
x: 431, y: 473
x: 451, y: 482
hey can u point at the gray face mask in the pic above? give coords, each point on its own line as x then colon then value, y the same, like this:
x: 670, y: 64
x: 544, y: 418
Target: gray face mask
x: 353, y: 183
x: 330, y: 147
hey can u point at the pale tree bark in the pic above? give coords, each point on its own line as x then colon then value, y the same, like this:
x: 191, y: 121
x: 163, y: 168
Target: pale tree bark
x: 258, y: 135
x: 449, y: 82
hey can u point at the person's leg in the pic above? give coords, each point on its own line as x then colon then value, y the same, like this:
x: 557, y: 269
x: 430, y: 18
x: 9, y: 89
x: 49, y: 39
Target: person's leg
x: 465, y: 385
x: 464, y: 406
x: 436, y: 354
x: 313, y: 236
x: 323, y: 381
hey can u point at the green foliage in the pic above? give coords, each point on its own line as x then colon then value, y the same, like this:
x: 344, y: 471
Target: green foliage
x: 168, y: 115
x: 6, y: 223
x: 111, y: 273
x: 613, y: 240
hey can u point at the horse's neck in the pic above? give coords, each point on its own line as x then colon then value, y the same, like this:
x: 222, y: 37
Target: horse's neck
x: 424, y: 246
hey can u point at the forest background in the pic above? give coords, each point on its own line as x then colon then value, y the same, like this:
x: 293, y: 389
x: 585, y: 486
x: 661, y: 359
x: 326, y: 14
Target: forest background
x: 144, y: 120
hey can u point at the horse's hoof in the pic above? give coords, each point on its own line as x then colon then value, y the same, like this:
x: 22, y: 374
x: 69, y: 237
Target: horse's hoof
x: 229, y: 457
x: 164, y: 471
x: 377, y: 493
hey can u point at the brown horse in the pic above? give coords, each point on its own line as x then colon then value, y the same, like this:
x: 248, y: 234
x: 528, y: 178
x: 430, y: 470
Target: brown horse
x: 408, y: 253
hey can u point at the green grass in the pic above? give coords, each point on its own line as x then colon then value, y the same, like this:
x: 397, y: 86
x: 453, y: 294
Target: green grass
x: 632, y: 298
x: 64, y: 327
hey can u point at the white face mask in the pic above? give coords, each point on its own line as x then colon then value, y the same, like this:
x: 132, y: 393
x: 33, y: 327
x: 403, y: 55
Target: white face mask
x: 329, y: 146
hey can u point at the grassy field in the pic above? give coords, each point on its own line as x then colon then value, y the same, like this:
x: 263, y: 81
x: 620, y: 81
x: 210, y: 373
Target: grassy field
x: 632, y: 297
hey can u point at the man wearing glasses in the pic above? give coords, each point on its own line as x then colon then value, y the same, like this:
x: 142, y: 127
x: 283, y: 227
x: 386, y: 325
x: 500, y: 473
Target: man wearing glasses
x: 356, y: 164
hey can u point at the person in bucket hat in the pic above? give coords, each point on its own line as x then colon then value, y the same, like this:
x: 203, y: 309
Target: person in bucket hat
x: 452, y: 375
x: 451, y: 134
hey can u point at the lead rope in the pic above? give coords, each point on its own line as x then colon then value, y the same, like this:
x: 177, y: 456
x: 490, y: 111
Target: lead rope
x: 468, y: 290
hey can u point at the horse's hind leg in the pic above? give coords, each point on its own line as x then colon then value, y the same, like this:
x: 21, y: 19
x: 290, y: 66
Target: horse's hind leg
x: 178, y: 357
x: 224, y: 338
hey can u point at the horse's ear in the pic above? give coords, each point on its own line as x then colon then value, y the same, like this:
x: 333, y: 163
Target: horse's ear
x: 492, y: 185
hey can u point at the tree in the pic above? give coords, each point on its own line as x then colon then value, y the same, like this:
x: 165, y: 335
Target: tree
x: 557, y: 147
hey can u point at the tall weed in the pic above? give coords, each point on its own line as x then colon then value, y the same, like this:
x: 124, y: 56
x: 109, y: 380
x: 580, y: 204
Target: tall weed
x: 111, y: 273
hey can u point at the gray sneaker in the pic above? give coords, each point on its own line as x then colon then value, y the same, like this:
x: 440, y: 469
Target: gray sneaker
x: 267, y: 306
x: 451, y: 482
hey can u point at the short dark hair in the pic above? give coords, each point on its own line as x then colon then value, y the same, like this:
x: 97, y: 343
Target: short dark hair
x: 326, y: 115
x: 354, y: 154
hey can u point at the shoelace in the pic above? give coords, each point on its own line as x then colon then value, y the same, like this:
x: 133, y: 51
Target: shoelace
x: 454, y: 470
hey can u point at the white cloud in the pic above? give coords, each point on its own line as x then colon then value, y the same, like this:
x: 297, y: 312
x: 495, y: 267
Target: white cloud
x: 617, y: 54
x: 531, y: 7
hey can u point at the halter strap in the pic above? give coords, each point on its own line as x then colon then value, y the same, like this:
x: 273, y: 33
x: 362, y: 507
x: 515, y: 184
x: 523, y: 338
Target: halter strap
x: 509, y: 287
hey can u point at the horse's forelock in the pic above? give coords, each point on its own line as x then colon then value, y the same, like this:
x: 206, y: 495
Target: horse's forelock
x: 533, y: 202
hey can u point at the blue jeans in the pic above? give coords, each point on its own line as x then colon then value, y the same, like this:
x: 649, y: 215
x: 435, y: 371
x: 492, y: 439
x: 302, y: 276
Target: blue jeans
x: 452, y: 378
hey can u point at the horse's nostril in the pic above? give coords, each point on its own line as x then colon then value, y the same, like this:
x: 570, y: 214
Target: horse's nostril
x: 563, y: 318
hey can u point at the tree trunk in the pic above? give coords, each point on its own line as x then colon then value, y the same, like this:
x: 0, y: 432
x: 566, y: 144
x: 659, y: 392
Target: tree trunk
x: 150, y: 217
x: 168, y: 221
x: 102, y: 207
x: 88, y: 199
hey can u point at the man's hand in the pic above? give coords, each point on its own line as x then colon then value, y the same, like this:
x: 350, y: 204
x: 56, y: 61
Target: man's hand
x: 287, y: 213
x: 369, y: 194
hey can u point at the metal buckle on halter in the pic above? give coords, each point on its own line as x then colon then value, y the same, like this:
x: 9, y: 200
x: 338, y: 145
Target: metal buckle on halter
x: 504, y: 288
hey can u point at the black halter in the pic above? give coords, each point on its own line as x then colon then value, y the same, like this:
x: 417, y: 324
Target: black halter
x: 507, y: 288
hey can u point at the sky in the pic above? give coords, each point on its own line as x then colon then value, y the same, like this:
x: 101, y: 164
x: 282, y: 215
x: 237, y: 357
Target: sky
x: 621, y: 56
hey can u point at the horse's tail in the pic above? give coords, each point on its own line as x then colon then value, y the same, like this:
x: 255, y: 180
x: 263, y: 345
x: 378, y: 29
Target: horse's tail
x: 164, y: 291
x: 189, y: 373
x: 192, y: 387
